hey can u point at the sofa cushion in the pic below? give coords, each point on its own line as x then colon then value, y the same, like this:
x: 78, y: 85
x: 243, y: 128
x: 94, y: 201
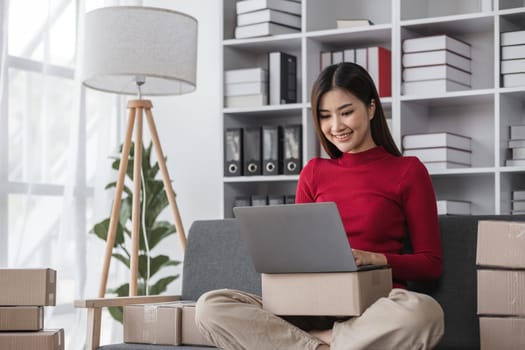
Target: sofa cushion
x: 216, y: 258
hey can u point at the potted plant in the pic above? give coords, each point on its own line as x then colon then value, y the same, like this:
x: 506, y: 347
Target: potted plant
x: 152, y: 230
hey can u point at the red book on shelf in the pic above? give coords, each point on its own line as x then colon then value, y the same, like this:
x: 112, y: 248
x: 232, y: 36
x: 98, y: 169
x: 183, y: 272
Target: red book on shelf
x: 380, y: 69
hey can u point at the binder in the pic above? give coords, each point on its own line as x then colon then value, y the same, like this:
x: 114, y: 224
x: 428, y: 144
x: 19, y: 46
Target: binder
x: 242, y: 201
x: 282, y: 72
x: 252, y: 151
x: 233, y: 152
x: 259, y: 200
x: 292, y: 149
x: 271, y: 150
x: 274, y: 199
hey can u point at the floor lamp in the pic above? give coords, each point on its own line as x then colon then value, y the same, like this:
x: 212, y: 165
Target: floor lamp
x: 139, y: 51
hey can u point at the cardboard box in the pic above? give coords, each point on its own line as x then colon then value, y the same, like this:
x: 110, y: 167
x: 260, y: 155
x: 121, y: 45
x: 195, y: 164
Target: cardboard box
x: 43, y: 340
x: 152, y: 323
x: 501, y: 292
x: 501, y: 244
x: 502, y: 333
x: 21, y: 318
x: 27, y: 287
x: 324, y: 294
x: 190, y: 332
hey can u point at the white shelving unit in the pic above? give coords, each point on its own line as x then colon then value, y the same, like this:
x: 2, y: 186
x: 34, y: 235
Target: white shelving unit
x: 484, y: 113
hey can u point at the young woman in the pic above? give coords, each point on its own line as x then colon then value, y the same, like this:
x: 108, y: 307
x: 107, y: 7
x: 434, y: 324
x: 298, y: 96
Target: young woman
x: 383, y: 199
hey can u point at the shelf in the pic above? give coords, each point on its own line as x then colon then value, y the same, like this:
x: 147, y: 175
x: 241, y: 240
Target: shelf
x: 252, y: 179
x: 284, y: 42
x: 353, y: 36
x: 464, y: 171
x: 468, y: 23
x: 518, y: 92
x: 453, y: 97
x: 511, y: 11
x: 266, y: 110
x: 512, y: 169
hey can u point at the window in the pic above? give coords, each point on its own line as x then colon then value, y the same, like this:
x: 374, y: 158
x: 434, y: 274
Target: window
x: 55, y: 138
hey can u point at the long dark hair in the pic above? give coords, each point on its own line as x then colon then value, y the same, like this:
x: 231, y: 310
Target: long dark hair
x: 356, y: 80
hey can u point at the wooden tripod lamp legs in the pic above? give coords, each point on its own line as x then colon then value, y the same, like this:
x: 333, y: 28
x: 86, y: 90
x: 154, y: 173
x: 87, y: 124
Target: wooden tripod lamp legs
x: 135, y: 116
x: 113, y: 221
x: 166, y: 179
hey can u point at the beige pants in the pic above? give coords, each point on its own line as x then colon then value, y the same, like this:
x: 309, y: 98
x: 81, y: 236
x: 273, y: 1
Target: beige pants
x: 234, y: 320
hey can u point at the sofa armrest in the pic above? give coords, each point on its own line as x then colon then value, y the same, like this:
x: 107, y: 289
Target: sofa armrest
x: 94, y: 308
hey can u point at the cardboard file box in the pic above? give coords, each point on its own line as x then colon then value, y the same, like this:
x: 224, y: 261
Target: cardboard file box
x: 501, y: 292
x: 324, y: 294
x: 43, y: 340
x: 502, y: 333
x: 501, y: 244
x: 27, y: 287
x: 153, y: 323
x: 190, y: 332
x: 21, y: 318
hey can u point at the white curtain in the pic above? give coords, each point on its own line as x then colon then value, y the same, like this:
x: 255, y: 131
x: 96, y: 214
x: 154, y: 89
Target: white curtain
x: 56, y: 139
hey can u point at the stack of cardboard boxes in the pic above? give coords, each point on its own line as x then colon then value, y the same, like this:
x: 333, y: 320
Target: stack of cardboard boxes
x: 501, y: 284
x: 162, y: 324
x: 23, y: 295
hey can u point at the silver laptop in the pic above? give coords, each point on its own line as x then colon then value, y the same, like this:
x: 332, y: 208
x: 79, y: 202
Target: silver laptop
x: 295, y: 238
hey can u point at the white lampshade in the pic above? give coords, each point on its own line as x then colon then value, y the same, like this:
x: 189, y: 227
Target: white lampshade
x: 123, y: 43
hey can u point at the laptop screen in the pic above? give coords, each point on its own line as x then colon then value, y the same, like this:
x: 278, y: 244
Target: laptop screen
x: 296, y: 238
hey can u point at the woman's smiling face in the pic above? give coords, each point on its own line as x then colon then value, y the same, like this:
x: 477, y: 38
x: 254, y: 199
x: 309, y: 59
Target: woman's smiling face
x: 345, y: 121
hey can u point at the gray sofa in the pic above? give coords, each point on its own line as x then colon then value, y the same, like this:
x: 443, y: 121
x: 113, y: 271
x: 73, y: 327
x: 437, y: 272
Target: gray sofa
x: 217, y: 258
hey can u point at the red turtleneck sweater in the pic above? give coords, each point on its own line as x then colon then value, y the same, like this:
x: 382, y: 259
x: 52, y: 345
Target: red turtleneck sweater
x: 381, y: 199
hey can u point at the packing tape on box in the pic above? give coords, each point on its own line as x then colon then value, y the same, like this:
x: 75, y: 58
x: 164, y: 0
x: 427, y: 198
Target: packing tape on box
x: 149, y: 333
x: 516, y: 232
x: 519, y: 231
x: 52, y: 280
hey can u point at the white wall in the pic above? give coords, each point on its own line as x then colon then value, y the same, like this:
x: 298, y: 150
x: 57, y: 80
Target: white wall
x: 189, y: 125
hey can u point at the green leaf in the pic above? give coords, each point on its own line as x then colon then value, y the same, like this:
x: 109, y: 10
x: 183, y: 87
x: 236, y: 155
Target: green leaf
x: 161, y: 285
x: 156, y: 263
x: 117, y: 312
x: 121, y: 291
x: 125, y: 211
x: 158, y: 204
x: 124, y: 259
x: 101, y: 231
x: 159, y: 231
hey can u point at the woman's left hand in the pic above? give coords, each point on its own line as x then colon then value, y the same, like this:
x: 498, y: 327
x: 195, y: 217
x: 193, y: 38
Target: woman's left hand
x: 363, y: 257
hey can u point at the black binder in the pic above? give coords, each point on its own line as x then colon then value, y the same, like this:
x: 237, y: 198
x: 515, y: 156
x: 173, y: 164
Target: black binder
x: 292, y: 149
x: 252, y: 151
x: 233, y: 152
x: 272, y: 157
x: 282, y: 73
